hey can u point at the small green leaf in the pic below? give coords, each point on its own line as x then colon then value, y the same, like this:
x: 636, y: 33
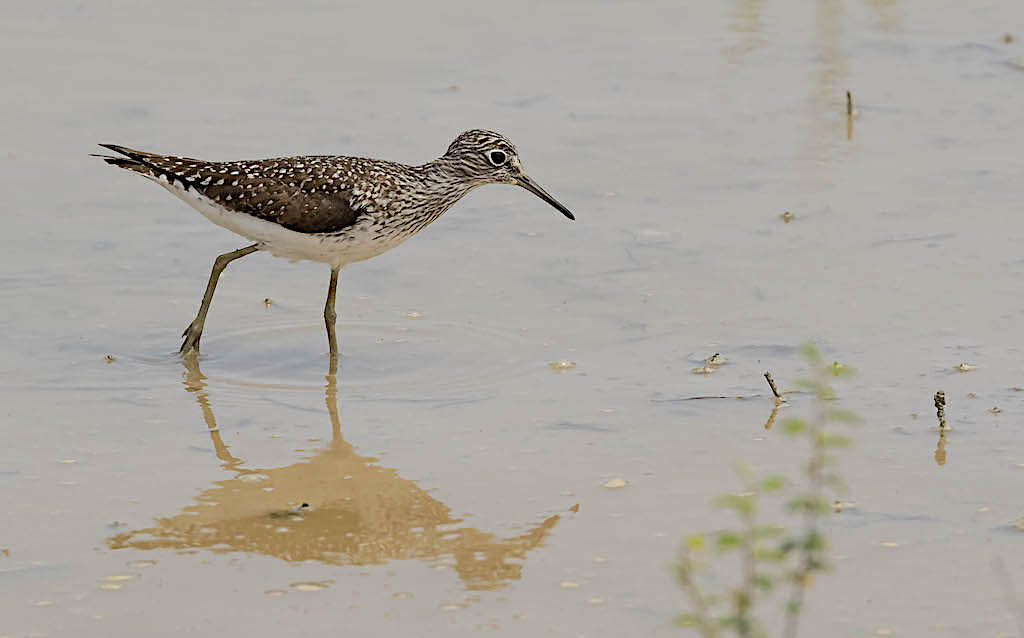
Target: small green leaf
x: 687, y: 620
x: 743, y: 504
x: 695, y: 542
x: 773, y: 483
x: 768, y: 555
x: 841, y: 369
x: 835, y: 440
x: 764, y: 582
x: 728, y: 541
x: 769, y: 531
x: 839, y: 415
x: 810, y: 352
x: 805, y: 503
x: 794, y: 427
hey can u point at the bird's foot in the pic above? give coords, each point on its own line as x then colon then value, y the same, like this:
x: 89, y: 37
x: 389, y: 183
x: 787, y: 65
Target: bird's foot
x: 192, y: 335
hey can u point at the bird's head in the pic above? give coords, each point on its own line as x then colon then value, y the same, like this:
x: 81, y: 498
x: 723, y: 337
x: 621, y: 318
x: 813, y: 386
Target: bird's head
x: 485, y: 157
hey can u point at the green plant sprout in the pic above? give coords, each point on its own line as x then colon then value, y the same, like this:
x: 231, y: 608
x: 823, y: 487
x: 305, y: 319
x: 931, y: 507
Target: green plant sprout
x: 773, y: 561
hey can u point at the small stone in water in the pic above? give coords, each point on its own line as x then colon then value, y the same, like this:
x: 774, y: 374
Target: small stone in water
x: 109, y: 358
x: 561, y: 365
x: 995, y: 410
x: 787, y: 216
x: 965, y: 367
x: 616, y: 483
x: 268, y: 302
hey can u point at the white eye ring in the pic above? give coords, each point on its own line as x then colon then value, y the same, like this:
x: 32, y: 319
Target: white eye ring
x: 497, y: 158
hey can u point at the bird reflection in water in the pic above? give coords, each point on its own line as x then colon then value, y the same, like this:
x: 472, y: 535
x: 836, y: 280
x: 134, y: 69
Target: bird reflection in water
x: 336, y: 507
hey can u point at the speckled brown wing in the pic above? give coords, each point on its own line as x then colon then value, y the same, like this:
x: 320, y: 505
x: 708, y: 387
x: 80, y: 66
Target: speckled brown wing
x: 303, y: 194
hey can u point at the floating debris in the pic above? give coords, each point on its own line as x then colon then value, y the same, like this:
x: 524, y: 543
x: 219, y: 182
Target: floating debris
x: 995, y: 410
x: 575, y: 509
x: 965, y: 367
x: 1008, y: 38
x: 595, y: 601
x: 1019, y: 524
x: 787, y: 216
x: 972, y: 395
x: 714, y: 360
x: 600, y: 560
x: 311, y: 585
x: 839, y: 506
x: 562, y: 365
x: 110, y: 586
x: 268, y: 302
x: 568, y: 584
x: 109, y: 358
x: 275, y: 592
x: 452, y: 606
x: 68, y: 461
x: 705, y: 369
x: 616, y: 483
x: 118, y: 578
x: 414, y: 315
x: 142, y: 563
x: 890, y: 544
x: 43, y: 603
x: 402, y: 595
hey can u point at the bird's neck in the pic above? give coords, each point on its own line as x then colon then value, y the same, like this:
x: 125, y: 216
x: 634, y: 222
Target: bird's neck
x: 444, y: 178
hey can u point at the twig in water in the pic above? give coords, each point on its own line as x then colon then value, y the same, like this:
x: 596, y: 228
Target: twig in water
x: 771, y: 384
x: 940, y: 410
x: 849, y: 115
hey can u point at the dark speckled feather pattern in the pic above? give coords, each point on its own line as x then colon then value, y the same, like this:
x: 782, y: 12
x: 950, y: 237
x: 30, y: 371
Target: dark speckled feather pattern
x: 314, y: 194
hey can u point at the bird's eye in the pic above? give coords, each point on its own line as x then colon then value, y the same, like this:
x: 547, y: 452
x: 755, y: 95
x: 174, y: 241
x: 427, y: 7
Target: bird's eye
x: 497, y: 157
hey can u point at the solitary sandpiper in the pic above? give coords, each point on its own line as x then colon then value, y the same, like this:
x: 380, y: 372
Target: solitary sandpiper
x: 330, y: 209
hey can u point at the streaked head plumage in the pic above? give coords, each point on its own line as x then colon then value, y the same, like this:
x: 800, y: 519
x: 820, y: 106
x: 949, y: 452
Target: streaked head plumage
x: 479, y: 156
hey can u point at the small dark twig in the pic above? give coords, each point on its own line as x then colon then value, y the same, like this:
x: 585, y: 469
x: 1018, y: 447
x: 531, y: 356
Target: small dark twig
x: 771, y: 384
x: 940, y: 410
x: 849, y: 104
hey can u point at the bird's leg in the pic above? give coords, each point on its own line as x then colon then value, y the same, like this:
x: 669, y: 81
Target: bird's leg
x: 330, y: 316
x: 195, y: 329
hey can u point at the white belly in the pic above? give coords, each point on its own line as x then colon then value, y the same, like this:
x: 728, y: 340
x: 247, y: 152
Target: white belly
x: 360, y: 241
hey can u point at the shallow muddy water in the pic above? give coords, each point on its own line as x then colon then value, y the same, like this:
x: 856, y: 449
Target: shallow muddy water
x: 448, y: 481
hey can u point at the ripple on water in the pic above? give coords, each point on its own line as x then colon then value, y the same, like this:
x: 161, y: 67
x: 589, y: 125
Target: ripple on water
x: 385, y: 360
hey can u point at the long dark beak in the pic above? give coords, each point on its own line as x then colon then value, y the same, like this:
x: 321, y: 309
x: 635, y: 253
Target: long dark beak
x: 535, y: 188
